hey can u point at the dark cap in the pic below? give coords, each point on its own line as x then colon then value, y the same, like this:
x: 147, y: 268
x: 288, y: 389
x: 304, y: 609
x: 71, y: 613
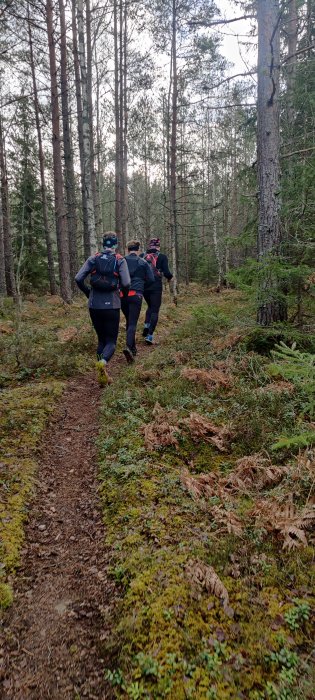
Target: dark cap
x: 110, y: 240
x: 154, y: 243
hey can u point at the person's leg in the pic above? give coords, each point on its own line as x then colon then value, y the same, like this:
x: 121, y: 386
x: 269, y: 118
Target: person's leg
x: 97, y: 318
x: 156, y: 300
x: 111, y: 328
x: 147, y: 297
x: 134, y: 313
x: 125, y: 310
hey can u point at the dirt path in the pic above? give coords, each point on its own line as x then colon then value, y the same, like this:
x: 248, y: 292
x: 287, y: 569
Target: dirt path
x: 54, y: 628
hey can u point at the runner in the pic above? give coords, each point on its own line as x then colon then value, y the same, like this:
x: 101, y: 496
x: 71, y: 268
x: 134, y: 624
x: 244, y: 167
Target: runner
x: 153, y: 291
x: 141, y: 273
x: 108, y: 271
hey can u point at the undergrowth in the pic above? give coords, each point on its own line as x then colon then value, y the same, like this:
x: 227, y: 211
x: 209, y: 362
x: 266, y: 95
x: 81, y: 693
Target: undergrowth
x: 44, y: 342
x: 209, y: 529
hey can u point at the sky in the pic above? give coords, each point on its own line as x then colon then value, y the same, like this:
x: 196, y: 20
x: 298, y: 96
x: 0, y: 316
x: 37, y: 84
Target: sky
x: 236, y: 39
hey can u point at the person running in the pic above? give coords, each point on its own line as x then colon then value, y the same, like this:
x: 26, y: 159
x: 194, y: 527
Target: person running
x: 141, y: 273
x: 108, y: 272
x: 153, y: 290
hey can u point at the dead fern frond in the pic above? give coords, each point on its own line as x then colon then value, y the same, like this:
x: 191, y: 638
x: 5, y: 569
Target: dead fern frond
x: 203, y: 429
x: 228, y: 520
x: 211, y: 379
x: 254, y: 472
x: 181, y: 357
x: 64, y: 335
x: 228, y: 341
x: 202, y: 485
x: 205, y: 577
x: 276, y: 388
x: 161, y: 431
x: 286, y: 520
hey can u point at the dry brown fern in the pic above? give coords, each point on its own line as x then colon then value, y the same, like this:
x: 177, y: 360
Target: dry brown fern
x: 161, y: 431
x: 64, y: 335
x: 276, y: 388
x: 211, y: 379
x: 203, y: 429
x: 228, y: 341
x: 254, y: 472
x: 228, y: 520
x: 205, y: 577
x: 286, y: 520
x: 199, y: 486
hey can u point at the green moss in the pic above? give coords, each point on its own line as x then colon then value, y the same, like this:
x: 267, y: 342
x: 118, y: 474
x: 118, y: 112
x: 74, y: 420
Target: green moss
x: 6, y: 596
x: 173, y: 639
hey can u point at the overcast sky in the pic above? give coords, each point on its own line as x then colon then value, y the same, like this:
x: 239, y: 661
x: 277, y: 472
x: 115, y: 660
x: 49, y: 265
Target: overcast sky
x: 235, y: 39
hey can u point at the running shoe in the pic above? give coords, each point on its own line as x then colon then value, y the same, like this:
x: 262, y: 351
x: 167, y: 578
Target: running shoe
x: 102, y: 373
x: 129, y: 355
x: 149, y: 339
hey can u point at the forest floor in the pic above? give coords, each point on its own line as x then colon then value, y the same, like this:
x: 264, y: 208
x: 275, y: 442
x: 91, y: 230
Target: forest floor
x: 168, y: 548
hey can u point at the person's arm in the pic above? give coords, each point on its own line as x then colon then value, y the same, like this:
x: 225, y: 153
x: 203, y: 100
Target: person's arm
x: 124, y: 276
x: 83, y: 273
x: 163, y: 266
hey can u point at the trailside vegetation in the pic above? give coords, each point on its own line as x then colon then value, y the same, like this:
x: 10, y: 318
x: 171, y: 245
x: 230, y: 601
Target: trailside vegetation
x: 209, y: 512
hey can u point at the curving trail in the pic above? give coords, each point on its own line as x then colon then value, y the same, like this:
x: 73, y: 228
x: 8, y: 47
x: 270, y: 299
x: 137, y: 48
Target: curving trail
x: 53, y: 632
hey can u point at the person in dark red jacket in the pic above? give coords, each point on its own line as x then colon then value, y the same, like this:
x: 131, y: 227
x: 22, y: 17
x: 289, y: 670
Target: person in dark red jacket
x: 153, y: 290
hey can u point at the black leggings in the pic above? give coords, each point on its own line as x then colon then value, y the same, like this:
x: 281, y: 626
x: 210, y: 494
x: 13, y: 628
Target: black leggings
x: 106, y: 324
x: 154, y: 300
x: 131, y: 308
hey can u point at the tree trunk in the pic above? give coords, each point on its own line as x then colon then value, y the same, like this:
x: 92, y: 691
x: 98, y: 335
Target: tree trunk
x: 86, y: 242
x: 3, y: 284
x: 51, y: 269
x: 125, y: 127
x: 99, y: 178
x: 90, y: 99
x: 86, y: 143
x: 271, y: 305
x: 173, y: 155
x: 6, y: 222
x: 68, y: 155
x: 60, y: 214
x: 117, y: 127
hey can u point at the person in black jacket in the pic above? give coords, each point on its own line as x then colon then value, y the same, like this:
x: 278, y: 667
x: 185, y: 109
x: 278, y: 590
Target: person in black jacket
x: 108, y: 273
x: 141, y: 273
x: 153, y: 290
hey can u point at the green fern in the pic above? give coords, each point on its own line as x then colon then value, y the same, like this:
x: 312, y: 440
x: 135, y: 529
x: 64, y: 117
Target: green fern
x: 302, y: 440
x: 299, y: 368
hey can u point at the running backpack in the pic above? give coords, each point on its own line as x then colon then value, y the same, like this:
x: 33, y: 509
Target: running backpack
x: 104, y: 275
x: 151, y: 258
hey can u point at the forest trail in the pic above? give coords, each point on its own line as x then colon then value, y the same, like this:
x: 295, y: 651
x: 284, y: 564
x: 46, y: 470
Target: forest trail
x: 56, y: 622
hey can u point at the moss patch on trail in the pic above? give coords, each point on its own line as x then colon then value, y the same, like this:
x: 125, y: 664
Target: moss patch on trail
x: 213, y: 605
x: 40, y: 345
x: 22, y: 419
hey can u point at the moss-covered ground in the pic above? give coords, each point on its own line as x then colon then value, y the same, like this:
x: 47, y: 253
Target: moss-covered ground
x: 40, y: 345
x: 191, y: 528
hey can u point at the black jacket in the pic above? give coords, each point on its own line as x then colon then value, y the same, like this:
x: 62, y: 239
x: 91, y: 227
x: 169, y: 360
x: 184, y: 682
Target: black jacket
x: 163, y: 268
x: 140, y: 271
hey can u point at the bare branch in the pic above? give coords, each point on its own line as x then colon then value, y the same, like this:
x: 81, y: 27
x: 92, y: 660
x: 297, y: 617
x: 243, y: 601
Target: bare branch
x: 215, y: 22
x: 295, y: 153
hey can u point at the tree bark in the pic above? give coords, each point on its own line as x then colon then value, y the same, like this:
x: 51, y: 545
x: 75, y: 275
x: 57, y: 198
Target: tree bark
x: 86, y: 242
x: 60, y: 214
x: 3, y: 284
x: 6, y: 222
x: 90, y: 99
x: 173, y: 155
x: 271, y: 305
x: 68, y: 155
x: 117, y: 127
x: 87, y: 171
x: 50, y: 258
